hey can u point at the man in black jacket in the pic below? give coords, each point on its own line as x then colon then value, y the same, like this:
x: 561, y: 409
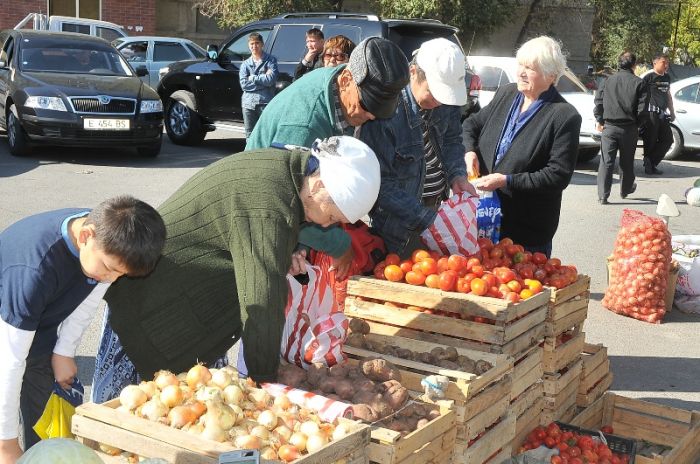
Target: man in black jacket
x: 617, y: 106
x: 656, y: 122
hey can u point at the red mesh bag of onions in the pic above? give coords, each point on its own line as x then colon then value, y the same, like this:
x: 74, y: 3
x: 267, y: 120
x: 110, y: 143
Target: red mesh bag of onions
x: 639, y: 268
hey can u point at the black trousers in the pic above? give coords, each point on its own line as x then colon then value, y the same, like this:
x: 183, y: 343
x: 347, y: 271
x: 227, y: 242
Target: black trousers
x: 657, y: 137
x: 614, y: 139
x: 37, y: 386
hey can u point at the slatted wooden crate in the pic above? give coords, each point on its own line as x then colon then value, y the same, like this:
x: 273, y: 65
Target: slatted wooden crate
x: 568, y: 307
x: 677, y: 429
x: 515, y: 326
x: 494, y: 443
x: 102, y: 423
x: 560, y: 391
x: 524, y: 424
x: 430, y: 444
x: 527, y: 371
x: 596, y: 376
x: 557, y: 357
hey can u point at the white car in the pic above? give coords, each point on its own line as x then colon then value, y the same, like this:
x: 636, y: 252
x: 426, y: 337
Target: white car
x: 496, y: 71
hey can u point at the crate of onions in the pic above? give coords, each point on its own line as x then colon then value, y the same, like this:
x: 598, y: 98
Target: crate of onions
x: 196, y: 416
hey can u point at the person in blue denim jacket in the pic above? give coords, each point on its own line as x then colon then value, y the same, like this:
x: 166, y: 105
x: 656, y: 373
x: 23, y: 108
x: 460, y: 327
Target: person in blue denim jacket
x: 258, y: 76
x: 420, y: 148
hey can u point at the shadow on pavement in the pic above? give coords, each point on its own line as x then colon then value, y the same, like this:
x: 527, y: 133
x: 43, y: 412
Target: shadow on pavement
x: 642, y: 373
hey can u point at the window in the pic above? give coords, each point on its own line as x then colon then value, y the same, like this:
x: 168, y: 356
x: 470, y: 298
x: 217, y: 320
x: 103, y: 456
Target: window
x: 195, y: 51
x: 353, y: 33
x: 492, y: 77
x: 77, y: 8
x: 135, y: 51
x: 290, y: 42
x: 107, y: 33
x: 169, y: 51
x: 7, y: 50
x: 689, y: 94
x: 237, y: 50
x: 568, y: 84
x: 79, y: 28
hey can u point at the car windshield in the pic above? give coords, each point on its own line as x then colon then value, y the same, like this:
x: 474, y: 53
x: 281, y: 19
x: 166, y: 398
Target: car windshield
x: 75, y: 60
x: 409, y: 38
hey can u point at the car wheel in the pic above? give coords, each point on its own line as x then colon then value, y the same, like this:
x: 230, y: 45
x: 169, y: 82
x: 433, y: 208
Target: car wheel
x: 587, y: 154
x: 676, y: 149
x: 16, y: 137
x: 150, y: 151
x: 182, y: 123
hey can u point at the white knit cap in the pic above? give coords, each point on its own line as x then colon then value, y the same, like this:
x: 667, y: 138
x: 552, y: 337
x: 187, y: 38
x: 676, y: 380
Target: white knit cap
x: 444, y: 66
x: 350, y: 173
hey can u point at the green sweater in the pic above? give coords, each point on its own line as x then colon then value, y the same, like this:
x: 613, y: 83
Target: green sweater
x: 231, y: 228
x: 300, y: 114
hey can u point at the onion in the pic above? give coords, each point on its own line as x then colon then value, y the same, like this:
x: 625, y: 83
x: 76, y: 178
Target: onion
x: 259, y: 397
x: 149, y: 388
x: 269, y: 454
x: 214, y: 432
x: 284, y: 433
x: 165, y: 378
x: 315, y: 442
x: 198, y: 376
x: 288, y: 453
x: 154, y: 409
x: 298, y: 440
x: 283, y: 402
x: 232, y: 371
x: 267, y: 419
x: 132, y: 397
x: 220, y: 415
x: 172, y: 396
x: 261, y: 432
x: 238, y: 431
x: 220, y: 378
x: 111, y: 450
x: 209, y: 394
x: 247, y: 442
x: 198, y: 408
x: 309, y: 428
x: 233, y: 394
x: 340, y: 431
x: 180, y: 416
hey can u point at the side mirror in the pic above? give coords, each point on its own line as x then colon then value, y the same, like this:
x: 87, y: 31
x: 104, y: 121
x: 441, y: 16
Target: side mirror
x: 3, y: 64
x: 212, y: 52
x: 141, y: 71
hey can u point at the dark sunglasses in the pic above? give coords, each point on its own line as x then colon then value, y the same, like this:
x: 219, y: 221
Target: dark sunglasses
x: 337, y: 56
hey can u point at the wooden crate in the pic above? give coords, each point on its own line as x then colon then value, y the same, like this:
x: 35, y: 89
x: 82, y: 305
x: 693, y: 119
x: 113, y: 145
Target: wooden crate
x: 527, y: 399
x: 527, y: 371
x: 568, y: 307
x: 586, y: 399
x: 555, y: 358
x: 564, y: 413
x: 580, y: 288
x: 560, y: 393
x: 526, y: 423
x: 596, y: 377
x: 516, y: 326
x: 494, y: 442
x: 433, y: 441
x: 556, y: 383
x: 675, y: 428
x: 102, y: 423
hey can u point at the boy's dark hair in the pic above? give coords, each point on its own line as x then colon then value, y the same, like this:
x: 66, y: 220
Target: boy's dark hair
x: 254, y: 36
x: 131, y: 230
x: 660, y: 56
x: 315, y: 32
x: 626, y: 60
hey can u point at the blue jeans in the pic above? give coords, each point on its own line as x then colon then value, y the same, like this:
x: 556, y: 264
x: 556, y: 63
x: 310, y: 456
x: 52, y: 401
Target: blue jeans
x: 250, y: 118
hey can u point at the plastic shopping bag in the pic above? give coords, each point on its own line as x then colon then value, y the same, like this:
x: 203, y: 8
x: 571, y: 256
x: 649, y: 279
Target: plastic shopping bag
x: 686, y: 250
x: 454, y: 230
x: 315, y: 328
x: 488, y: 215
x: 55, y: 422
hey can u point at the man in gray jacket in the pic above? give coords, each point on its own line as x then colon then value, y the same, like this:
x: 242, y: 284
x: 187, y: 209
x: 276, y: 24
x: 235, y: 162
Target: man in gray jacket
x: 617, y: 106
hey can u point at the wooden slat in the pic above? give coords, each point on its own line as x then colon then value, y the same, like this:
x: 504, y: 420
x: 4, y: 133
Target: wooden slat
x: 564, y: 413
x: 523, y: 342
x: 654, y: 424
x: 526, y: 399
x: 495, y: 439
x: 554, y: 383
x: 527, y: 372
x: 646, y: 407
x: 533, y: 319
x: 525, y: 423
x: 477, y: 424
x: 581, y: 285
x: 592, y: 356
x: 566, y: 396
x: 557, y: 358
x: 562, y: 310
x: 593, y: 377
x: 439, y: 451
x: 502, y: 455
x: 586, y: 399
x: 593, y: 416
x: 552, y: 329
x: 688, y: 448
x: 489, y: 396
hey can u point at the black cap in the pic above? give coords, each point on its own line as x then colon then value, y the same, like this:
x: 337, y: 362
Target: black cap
x: 380, y: 70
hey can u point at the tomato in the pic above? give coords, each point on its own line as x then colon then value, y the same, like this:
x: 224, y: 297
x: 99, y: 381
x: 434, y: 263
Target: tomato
x: 540, y: 274
x: 496, y: 253
x: 415, y: 277
x: 514, y: 286
x: 540, y: 432
x: 432, y: 281
x: 428, y: 266
x: 556, y: 262
x: 456, y: 262
x: 534, y: 285
x: 490, y: 279
x: 448, y: 281
x: 512, y: 297
x: 503, y: 290
x: 526, y: 293
x: 574, y: 451
x: 538, y: 258
x: 505, y: 241
x: 406, y: 265
x: 589, y: 456
x: 442, y: 265
x: 615, y: 460
x: 392, y: 258
x: 575, y: 460
x: 393, y: 273
x: 550, y: 442
x: 493, y: 292
x: 463, y: 285
x: 478, y: 286
x: 419, y: 255
x: 556, y: 460
x: 478, y: 270
x: 484, y: 243
x: 519, y: 257
x: 606, y: 429
x: 562, y: 446
x: 585, y: 442
x: 379, y: 270
x: 471, y: 262
x: 435, y: 254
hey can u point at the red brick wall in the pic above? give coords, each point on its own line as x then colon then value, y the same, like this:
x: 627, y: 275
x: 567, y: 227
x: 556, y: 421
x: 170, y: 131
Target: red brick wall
x: 138, y: 17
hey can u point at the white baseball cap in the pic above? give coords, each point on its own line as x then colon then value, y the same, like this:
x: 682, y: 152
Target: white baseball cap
x: 350, y: 173
x: 444, y: 65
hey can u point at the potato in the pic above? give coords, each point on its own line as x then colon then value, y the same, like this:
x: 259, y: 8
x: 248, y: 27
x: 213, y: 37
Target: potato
x: 411, y: 423
x: 447, y: 364
x: 451, y: 353
x: 422, y: 423
x: 364, y: 412
x: 419, y: 409
x: 394, y: 394
x: 355, y: 373
x: 345, y: 388
x: 339, y: 371
x: 433, y: 414
x: 404, y: 353
x: 359, y: 326
x: 388, y: 350
x: 291, y: 374
x: 397, y: 425
x: 315, y: 373
x: 356, y: 339
x: 426, y: 358
x: 482, y: 367
x: 375, y: 401
x: 327, y: 384
x: 467, y: 364
x: 380, y: 370
x: 364, y: 384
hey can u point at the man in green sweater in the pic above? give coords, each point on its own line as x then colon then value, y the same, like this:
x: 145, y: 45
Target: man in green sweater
x: 231, y: 231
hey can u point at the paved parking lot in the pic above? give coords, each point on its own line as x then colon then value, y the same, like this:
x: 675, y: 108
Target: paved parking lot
x: 655, y: 362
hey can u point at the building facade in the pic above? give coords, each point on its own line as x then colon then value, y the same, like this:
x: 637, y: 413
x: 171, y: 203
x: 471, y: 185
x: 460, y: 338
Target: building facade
x: 137, y: 17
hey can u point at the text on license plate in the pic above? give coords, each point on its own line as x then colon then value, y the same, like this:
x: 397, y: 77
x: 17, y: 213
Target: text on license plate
x: 106, y: 124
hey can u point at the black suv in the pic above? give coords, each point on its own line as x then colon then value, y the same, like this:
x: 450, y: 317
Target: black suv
x: 205, y: 94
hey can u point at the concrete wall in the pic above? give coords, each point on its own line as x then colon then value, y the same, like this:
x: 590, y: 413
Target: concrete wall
x: 181, y: 18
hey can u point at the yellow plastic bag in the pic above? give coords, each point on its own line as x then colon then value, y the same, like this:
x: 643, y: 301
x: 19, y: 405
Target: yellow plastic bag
x: 55, y: 422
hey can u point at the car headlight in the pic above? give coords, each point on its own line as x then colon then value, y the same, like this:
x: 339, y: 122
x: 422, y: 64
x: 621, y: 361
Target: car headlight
x: 46, y: 103
x: 163, y: 71
x: 151, y: 106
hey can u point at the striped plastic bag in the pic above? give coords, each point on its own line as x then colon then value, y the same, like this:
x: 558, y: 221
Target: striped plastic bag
x: 454, y: 230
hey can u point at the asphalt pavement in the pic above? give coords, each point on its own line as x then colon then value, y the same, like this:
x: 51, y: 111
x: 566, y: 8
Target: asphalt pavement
x: 659, y: 363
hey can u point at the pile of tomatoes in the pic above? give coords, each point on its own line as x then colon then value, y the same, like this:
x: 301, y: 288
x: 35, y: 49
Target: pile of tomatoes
x: 574, y: 448
x: 503, y: 270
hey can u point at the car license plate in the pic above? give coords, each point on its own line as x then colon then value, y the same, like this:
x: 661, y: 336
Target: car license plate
x: 106, y: 124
